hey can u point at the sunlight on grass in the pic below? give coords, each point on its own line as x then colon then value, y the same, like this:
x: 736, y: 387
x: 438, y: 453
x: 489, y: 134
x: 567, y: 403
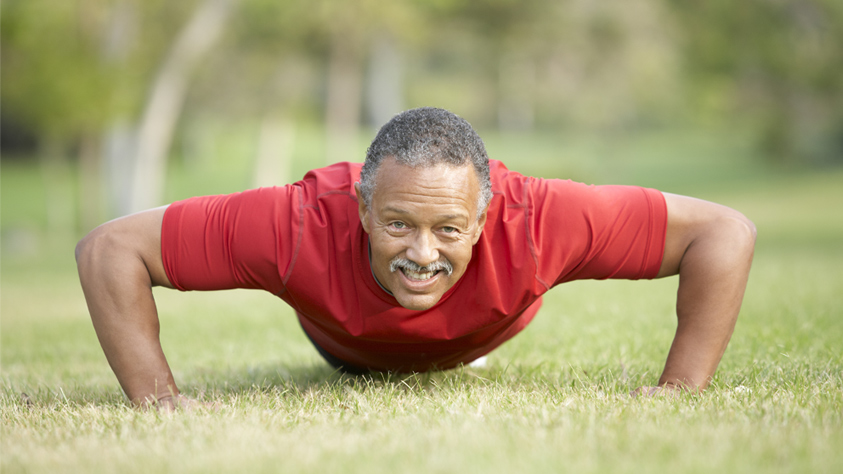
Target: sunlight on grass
x: 555, y: 398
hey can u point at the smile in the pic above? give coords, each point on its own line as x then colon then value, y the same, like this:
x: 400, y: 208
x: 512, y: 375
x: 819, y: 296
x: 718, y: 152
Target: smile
x: 418, y: 276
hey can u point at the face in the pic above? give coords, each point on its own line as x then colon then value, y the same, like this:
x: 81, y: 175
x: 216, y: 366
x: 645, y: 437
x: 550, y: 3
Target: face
x: 422, y: 225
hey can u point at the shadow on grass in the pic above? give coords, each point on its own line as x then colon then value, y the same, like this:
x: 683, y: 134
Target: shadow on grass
x: 215, y: 385
x: 298, y: 381
x: 305, y: 378
x: 294, y: 380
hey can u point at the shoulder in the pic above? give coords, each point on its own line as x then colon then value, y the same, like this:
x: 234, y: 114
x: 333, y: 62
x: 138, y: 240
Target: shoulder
x: 338, y: 178
x: 520, y: 190
x: 509, y: 185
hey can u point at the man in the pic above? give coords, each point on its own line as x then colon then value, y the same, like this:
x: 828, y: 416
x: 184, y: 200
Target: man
x: 427, y: 257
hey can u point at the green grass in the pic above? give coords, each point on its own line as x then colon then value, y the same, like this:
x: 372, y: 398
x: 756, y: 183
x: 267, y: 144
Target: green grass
x: 554, y: 399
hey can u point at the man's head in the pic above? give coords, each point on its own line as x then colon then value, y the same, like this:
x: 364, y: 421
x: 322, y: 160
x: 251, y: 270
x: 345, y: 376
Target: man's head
x: 423, y: 137
x: 423, y: 194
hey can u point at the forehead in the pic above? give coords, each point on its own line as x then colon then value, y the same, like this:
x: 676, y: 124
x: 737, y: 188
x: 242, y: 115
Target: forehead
x: 416, y: 188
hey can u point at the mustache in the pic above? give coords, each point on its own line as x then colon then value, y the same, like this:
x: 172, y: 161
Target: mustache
x: 400, y: 262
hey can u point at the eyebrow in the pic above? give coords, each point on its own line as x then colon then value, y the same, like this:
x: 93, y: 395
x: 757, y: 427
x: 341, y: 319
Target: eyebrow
x: 396, y: 210
x: 452, y: 217
x: 441, y: 217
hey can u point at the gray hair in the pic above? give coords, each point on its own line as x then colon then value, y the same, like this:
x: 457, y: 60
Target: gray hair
x: 425, y: 137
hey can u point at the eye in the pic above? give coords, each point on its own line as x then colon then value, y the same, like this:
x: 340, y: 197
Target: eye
x: 449, y: 229
x: 399, y: 225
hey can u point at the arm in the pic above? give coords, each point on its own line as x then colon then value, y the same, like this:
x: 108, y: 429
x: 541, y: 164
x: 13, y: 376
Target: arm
x: 119, y: 262
x: 710, y: 246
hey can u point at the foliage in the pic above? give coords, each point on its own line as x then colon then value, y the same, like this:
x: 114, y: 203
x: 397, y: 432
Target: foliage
x: 773, y: 67
x: 777, y: 64
x: 71, y: 67
x: 52, y: 78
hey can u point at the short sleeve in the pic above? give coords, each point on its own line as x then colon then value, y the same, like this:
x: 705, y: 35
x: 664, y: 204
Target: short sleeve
x: 595, y: 232
x: 241, y: 240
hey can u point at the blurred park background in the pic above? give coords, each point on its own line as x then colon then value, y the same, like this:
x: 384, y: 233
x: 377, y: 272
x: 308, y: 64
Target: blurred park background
x: 110, y: 107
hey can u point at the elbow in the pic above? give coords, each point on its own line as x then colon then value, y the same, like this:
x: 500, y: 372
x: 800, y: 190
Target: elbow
x: 742, y: 233
x: 747, y: 229
x: 86, y: 247
x: 98, y: 244
x: 82, y: 247
x: 86, y: 250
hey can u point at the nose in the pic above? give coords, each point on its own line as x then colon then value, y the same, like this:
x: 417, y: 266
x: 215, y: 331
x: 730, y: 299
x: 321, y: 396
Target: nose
x: 423, y: 249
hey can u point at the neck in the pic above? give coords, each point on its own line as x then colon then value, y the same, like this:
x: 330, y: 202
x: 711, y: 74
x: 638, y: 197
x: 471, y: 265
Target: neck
x: 372, y: 269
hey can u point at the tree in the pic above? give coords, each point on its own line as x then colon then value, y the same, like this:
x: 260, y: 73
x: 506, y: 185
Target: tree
x: 56, y: 83
x: 166, y: 98
x: 775, y: 64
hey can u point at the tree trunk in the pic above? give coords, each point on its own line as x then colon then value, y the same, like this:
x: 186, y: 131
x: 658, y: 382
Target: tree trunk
x: 516, y: 85
x: 344, y: 97
x: 117, y: 142
x: 275, y: 149
x: 384, y: 91
x: 90, y: 182
x: 164, y: 105
x: 118, y: 150
x: 58, y: 188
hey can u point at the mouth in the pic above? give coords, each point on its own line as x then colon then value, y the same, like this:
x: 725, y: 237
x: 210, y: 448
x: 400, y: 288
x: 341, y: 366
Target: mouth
x: 419, y: 282
x: 419, y: 276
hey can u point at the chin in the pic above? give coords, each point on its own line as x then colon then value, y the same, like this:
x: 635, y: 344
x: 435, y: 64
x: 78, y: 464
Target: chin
x: 418, y: 302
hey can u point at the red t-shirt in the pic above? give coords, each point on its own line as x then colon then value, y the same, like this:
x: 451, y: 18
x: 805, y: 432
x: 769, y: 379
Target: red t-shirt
x: 304, y: 243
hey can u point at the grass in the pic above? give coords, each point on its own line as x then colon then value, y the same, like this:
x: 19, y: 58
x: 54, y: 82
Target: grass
x: 554, y: 399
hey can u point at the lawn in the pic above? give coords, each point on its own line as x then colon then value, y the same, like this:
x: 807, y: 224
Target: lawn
x: 554, y: 399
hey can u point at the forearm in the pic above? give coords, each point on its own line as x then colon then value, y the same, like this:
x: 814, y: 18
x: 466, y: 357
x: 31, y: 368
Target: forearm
x: 117, y: 284
x: 713, y: 274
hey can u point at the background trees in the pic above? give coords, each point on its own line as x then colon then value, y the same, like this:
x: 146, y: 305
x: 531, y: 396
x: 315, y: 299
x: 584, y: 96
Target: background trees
x: 115, y: 88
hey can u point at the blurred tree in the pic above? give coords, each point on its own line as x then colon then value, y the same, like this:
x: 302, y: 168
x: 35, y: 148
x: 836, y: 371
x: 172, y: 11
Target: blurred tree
x: 166, y: 98
x: 269, y: 53
x: 73, y: 72
x: 284, y: 42
x: 578, y: 64
x: 778, y: 65
x: 55, y: 82
x: 508, y: 40
x: 54, y: 79
x: 385, y: 80
x: 349, y: 29
x: 110, y: 78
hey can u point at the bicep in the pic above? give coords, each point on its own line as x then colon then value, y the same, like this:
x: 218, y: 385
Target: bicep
x: 689, y: 219
x: 149, y: 227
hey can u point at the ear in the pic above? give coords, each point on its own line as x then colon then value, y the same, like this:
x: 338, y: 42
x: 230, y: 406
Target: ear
x: 480, y: 224
x: 362, y: 209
